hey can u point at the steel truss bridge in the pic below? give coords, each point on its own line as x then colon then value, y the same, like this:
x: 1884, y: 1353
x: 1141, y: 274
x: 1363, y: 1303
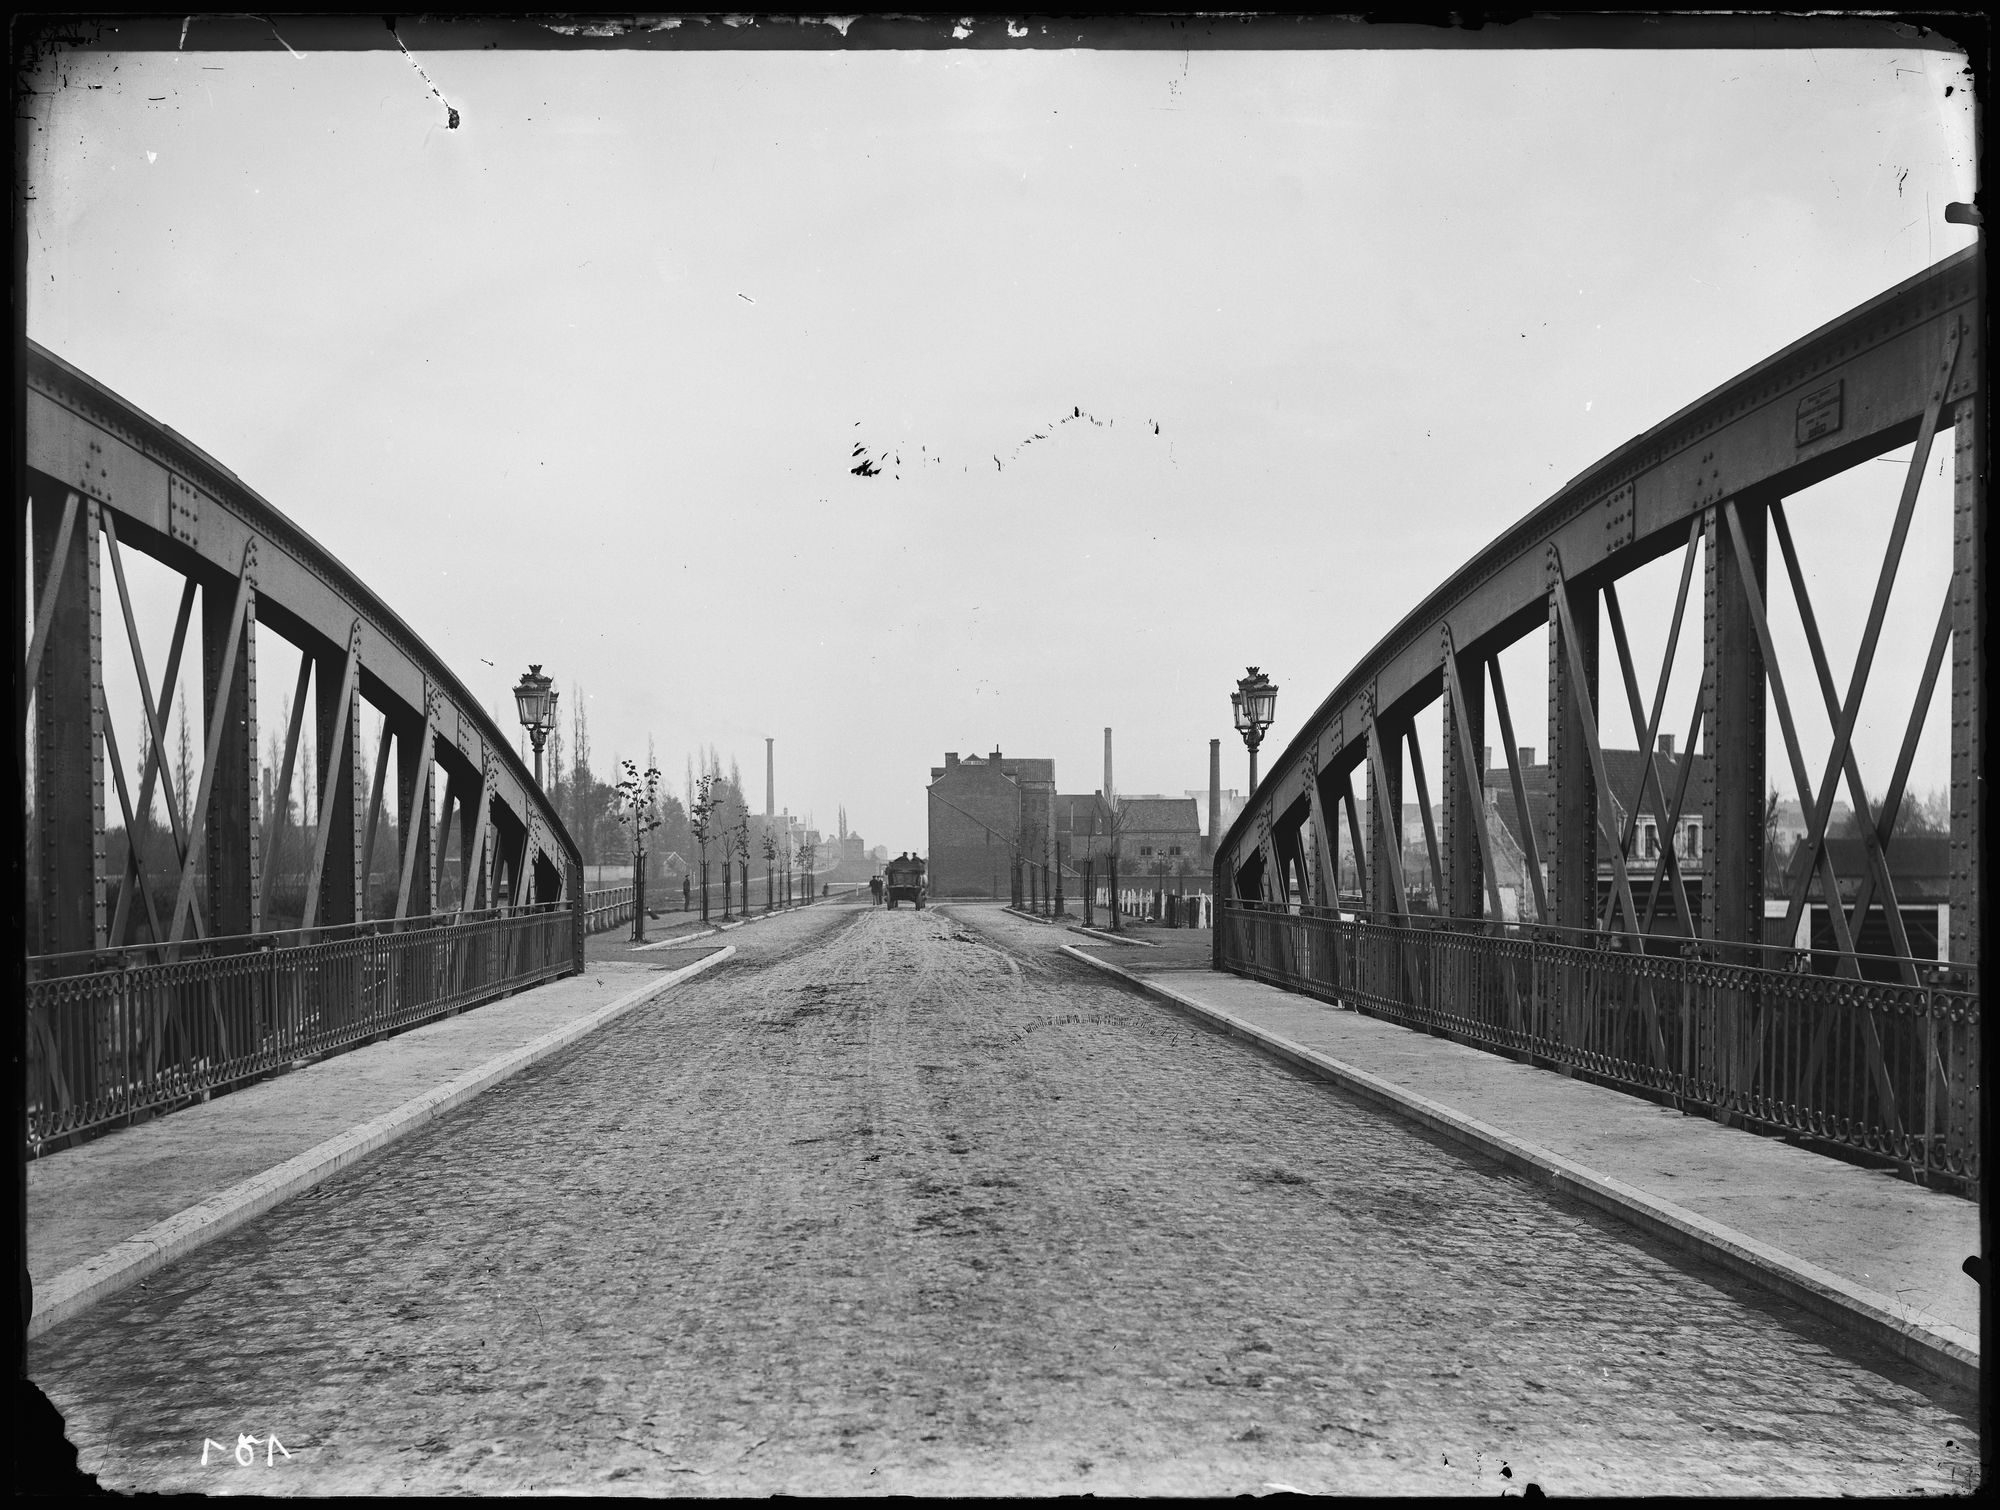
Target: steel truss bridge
x: 146, y: 991
x: 1648, y: 983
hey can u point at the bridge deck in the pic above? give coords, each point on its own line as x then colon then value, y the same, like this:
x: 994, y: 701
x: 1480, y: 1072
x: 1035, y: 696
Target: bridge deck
x: 1874, y: 1232
x: 91, y: 1206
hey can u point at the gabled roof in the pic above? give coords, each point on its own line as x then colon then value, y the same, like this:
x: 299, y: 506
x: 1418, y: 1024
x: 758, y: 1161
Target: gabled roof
x: 1159, y: 815
x: 1075, y: 810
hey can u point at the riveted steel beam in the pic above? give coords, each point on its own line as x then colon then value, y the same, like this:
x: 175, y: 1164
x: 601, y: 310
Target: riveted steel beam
x: 1573, y: 780
x: 1733, y: 682
x: 1853, y: 389
x: 65, y: 669
x: 177, y: 504
x: 1968, y: 666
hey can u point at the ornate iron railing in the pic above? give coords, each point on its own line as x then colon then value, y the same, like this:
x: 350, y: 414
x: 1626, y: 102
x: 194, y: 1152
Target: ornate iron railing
x: 1766, y: 1035
x: 606, y: 909
x: 113, y: 1033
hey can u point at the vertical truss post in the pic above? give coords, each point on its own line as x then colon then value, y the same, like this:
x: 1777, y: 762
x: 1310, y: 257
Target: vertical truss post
x: 1464, y: 718
x: 1386, y: 897
x: 1968, y: 664
x: 475, y: 858
x: 1326, y: 846
x: 337, y: 873
x: 1961, y: 1055
x: 1733, y: 684
x: 68, y: 814
x: 453, y: 798
x: 1573, y: 795
x: 413, y: 811
x: 229, y: 698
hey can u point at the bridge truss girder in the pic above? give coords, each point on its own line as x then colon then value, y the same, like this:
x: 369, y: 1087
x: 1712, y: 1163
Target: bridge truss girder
x: 105, y: 479
x: 1711, y: 481
x: 1741, y: 450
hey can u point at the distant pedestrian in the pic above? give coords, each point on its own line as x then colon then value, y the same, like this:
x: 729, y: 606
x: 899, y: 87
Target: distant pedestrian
x: 687, y: 895
x: 875, y: 891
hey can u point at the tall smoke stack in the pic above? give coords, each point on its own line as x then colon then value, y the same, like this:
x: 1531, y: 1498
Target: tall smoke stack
x: 1214, y: 793
x: 770, y: 784
x: 1110, y: 790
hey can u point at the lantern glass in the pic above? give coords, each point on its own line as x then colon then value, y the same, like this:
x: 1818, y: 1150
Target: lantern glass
x: 535, y: 697
x: 1237, y: 711
x: 1263, y: 700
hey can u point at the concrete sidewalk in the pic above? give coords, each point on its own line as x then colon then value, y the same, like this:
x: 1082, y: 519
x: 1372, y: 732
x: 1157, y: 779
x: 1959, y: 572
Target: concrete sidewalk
x: 107, y: 1213
x: 1876, y: 1254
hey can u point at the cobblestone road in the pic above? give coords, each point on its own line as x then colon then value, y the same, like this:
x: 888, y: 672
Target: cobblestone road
x: 907, y: 1202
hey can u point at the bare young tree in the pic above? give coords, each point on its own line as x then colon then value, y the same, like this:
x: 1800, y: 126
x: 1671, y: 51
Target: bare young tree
x: 635, y: 806
x: 701, y: 826
x: 741, y: 838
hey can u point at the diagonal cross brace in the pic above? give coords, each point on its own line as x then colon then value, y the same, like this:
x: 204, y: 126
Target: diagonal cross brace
x: 1592, y: 744
x: 1877, y: 610
x: 413, y: 822
x: 284, y: 794
x: 1828, y: 880
x: 45, y: 611
x: 1872, y: 845
x: 1474, y: 779
x: 156, y: 758
x: 1530, y: 846
x: 1647, y: 729
x: 246, y: 588
x: 330, y: 789
x: 1424, y: 806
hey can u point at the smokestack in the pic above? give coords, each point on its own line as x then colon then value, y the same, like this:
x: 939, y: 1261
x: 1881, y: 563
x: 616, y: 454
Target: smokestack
x: 1214, y: 792
x: 770, y: 783
x: 1110, y: 791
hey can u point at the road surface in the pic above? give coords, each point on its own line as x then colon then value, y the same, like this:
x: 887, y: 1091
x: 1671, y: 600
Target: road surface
x: 908, y: 1202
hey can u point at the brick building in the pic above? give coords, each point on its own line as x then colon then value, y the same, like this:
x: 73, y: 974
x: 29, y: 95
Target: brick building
x: 987, y: 812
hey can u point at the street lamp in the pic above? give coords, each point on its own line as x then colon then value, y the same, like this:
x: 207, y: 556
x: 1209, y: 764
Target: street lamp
x: 1254, y: 703
x: 535, y: 695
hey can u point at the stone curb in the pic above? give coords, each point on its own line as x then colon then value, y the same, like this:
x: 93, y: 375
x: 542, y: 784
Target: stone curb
x: 1946, y: 1351
x: 715, y: 928
x: 674, y: 943
x: 1109, y: 938
x: 83, y: 1285
x: 1030, y: 917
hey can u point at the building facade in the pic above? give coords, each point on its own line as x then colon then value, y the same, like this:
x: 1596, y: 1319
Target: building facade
x: 987, y: 814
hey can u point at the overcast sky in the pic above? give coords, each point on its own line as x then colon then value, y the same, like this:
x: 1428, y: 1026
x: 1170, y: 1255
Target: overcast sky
x: 580, y: 381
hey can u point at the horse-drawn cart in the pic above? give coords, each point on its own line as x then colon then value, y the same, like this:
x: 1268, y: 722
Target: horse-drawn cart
x: 905, y: 877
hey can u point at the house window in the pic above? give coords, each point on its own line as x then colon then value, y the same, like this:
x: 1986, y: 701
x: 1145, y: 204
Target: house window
x: 1652, y: 849
x: 1691, y: 840
x: 1145, y: 849
x: 1173, y: 849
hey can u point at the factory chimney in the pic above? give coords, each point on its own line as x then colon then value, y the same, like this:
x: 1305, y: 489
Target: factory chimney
x: 1214, y: 793
x: 770, y: 783
x: 1110, y: 791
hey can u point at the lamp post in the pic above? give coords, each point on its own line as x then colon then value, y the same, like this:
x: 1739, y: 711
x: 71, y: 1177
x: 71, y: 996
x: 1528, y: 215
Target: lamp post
x: 535, y: 696
x: 1254, y: 703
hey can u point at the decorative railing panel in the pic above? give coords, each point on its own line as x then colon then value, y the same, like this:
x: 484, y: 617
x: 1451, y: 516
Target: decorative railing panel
x: 110, y: 1036
x: 1770, y: 1036
x: 1571, y: 845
